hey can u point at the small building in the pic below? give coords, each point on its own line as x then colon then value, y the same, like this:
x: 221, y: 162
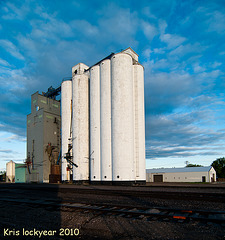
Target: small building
x: 186, y: 174
x: 20, y: 169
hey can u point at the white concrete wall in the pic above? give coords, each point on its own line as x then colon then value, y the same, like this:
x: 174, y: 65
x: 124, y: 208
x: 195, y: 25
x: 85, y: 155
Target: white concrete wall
x: 80, y: 124
x: 212, y: 175
x: 105, y: 120
x: 122, y: 118
x: 95, y: 165
x: 139, y: 123
x: 66, y: 124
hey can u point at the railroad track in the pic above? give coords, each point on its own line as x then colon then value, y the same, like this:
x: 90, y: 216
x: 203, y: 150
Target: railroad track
x: 144, y: 213
x: 175, y: 195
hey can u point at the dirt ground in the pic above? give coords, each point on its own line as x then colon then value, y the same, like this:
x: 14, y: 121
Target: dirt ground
x: 20, y: 221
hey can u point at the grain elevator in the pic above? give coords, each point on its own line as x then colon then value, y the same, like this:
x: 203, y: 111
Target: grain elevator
x: 43, y: 139
x: 103, y: 128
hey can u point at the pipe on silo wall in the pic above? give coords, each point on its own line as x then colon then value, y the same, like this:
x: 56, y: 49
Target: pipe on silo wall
x: 80, y: 127
x: 66, y: 111
x: 139, y: 123
x: 122, y: 118
x: 105, y: 120
x: 95, y: 165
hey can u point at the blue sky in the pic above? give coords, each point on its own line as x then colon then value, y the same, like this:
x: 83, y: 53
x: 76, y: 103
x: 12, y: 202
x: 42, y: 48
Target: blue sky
x: 180, y: 43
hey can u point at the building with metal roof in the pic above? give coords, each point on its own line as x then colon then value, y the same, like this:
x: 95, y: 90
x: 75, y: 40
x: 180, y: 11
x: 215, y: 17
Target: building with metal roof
x: 187, y: 174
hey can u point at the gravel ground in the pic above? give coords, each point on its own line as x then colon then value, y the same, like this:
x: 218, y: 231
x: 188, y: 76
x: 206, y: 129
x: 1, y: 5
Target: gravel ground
x: 93, y: 226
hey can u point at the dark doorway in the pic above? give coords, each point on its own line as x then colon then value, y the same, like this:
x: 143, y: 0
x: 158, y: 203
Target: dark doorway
x: 203, y: 179
x: 158, y: 178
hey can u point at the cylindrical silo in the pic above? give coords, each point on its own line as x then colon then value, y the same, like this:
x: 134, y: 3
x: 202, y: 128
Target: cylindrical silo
x: 139, y: 123
x: 105, y: 120
x: 95, y: 167
x: 10, y: 171
x: 122, y: 118
x: 80, y: 126
x: 66, y: 124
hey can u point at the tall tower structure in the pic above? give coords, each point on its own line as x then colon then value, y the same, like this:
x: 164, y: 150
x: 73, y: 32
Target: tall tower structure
x: 108, y: 120
x: 43, y: 137
x: 66, y: 127
x: 80, y: 122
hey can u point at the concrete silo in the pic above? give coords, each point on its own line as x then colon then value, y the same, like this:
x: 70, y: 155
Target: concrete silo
x: 10, y: 171
x: 80, y: 122
x: 105, y: 120
x: 108, y: 128
x: 95, y: 171
x: 122, y: 118
x: 66, y: 125
x: 139, y: 123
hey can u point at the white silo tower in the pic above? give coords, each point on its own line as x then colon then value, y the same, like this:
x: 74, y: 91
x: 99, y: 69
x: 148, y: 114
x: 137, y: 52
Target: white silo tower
x: 139, y: 123
x: 105, y: 120
x: 66, y: 125
x: 122, y: 118
x: 95, y: 164
x: 108, y: 127
x: 80, y: 122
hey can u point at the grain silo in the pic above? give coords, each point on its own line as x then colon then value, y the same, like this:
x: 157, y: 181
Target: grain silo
x: 139, y: 123
x: 105, y: 120
x: 122, y: 118
x: 95, y: 164
x: 66, y: 125
x: 80, y: 122
x: 108, y: 128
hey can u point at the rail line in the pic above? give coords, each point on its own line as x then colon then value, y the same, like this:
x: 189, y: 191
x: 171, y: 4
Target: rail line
x: 175, y: 195
x: 144, y: 213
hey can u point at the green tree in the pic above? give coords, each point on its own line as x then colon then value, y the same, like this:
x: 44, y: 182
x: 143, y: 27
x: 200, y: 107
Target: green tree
x: 219, y: 166
x: 193, y: 165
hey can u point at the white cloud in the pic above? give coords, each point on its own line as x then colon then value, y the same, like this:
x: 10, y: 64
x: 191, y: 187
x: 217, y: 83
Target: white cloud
x: 118, y: 25
x: 15, y: 137
x: 160, y: 64
x: 211, y: 75
x: 11, y: 48
x: 14, y: 12
x: 85, y: 27
x: 162, y: 26
x: 53, y: 29
x: 6, y: 151
x: 213, y: 19
x: 216, y: 64
x: 148, y: 13
x: 147, y: 52
x: 4, y: 63
x: 159, y: 50
x: 216, y: 22
x: 185, y: 49
x: 197, y: 68
x: 16, y: 80
x: 149, y: 30
x: 172, y: 40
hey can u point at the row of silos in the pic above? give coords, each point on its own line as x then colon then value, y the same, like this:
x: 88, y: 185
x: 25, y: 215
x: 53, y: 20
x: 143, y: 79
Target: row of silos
x: 108, y: 135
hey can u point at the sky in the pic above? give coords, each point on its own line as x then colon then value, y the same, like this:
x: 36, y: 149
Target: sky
x: 180, y: 44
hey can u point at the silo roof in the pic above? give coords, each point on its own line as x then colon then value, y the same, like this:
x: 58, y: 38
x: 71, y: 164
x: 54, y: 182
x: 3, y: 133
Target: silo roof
x: 174, y: 170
